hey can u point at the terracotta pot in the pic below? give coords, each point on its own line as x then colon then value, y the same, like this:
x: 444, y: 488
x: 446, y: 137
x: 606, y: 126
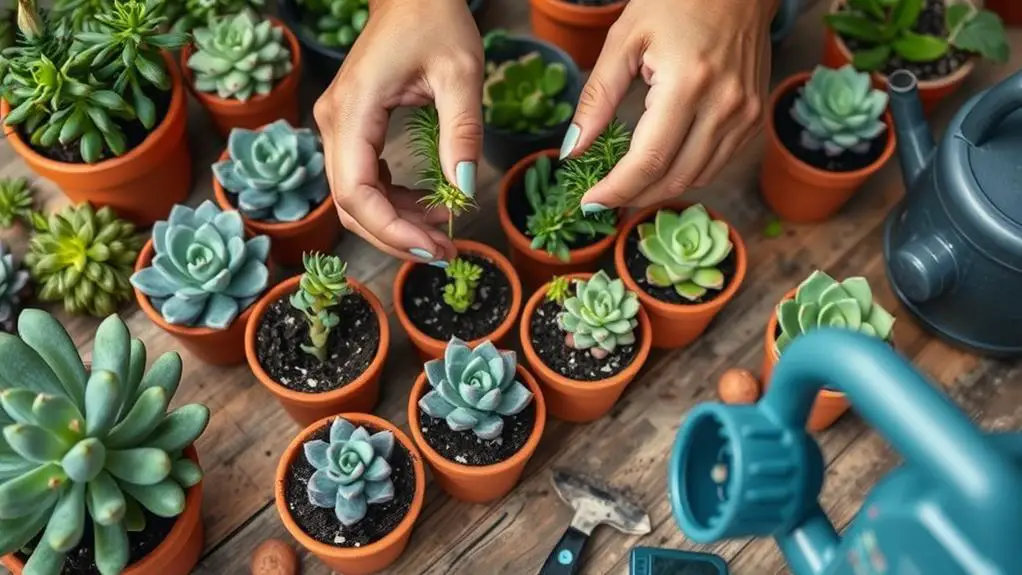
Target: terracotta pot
x: 143, y: 184
x: 674, y: 325
x: 358, y: 396
x: 578, y: 30
x: 176, y: 555
x: 472, y: 483
x: 536, y: 267
x: 316, y: 232
x: 798, y: 192
x: 257, y: 111
x: 371, y: 558
x: 432, y: 348
x: 573, y: 400
x: 1009, y: 10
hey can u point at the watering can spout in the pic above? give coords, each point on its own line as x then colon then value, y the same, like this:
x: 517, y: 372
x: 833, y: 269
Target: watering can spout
x: 915, y: 141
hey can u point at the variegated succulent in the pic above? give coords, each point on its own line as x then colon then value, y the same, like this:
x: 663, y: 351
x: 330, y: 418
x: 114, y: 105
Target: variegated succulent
x: 600, y: 316
x: 684, y: 250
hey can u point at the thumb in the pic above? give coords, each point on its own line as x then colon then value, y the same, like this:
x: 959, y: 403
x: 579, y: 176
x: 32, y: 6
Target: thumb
x: 606, y: 88
x: 458, y: 100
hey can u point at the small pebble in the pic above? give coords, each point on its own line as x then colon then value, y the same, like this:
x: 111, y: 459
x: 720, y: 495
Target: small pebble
x: 738, y: 386
x: 274, y: 557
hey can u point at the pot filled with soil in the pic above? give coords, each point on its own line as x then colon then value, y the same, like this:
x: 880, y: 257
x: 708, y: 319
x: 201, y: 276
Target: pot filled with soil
x: 476, y: 297
x: 318, y: 342
x: 579, y: 27
x: 245, y: 70
x: 198, y: 277
x: 477, y: 416
x: 827, y: 133
x: 685, y: 263
x: 821, y: 301
x: 586, y: 337
x: 275, y: 177
x: 349, y: 489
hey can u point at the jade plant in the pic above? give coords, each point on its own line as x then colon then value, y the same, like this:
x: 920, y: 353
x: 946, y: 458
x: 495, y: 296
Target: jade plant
x: 559, y: 290
x: 601, y: 316
x: 521, y: 94
x: 83, y: 257
x: 13, y: 280
x: 840, y: 111
x: 203, y: 272
x: 352, y: 470
x: 322, y: 287
x: 685, y: 251
x: 276, y: 172
x: 460, y: 290
x: 15, y: 201
x: 822, y: 301
x: 473, y: 389
x: 424, y: 127
x: 88, y: 450
x: 336, y: 23
x: 186, y: 15
x: 239, y: 56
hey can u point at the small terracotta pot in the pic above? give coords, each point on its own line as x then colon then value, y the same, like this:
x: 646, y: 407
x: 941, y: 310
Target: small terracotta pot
x: 798, y: 192
x: 675, y: 326
x: 1009, y: 10
x: 536, y: 267
x: 432, y: 348
x: 176, y: 555
x: 358, y: 396
x: 143, y: 184
x: 578, y: 30
x: 316, y: 232
x: 212, y: 346
x: 471, y: 483
x: 257, y: 111
x: 580, y: 401
x: 376, y: 556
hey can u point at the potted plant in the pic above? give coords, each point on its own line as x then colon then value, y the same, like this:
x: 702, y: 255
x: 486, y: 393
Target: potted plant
x: 585, y: 347
x: 97, y: 122
x: 14, y: 286
x: 318, y: 342
x: 528, y: 97
x: 326, y: 30
x: 822, y: 301
x: 16, y: 201
x: 198, y: 277
x: 936, y: 40
x: 99, y: 477
x: 275, y: 177
x: 477, y: 416
x: 685, y: 264
x: 827, y: 133
x: 579, y: 27
x: 187, y: 15
x: 349, y: 489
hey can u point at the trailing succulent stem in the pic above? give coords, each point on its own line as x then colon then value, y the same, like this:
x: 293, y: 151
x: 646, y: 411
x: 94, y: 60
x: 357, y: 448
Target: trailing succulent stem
x: 559, y: 290
x: 322, y: 287
x: 684, y: 251
x: 521, y: 94
x: 337, y: 23
x: 15, y: 201
x: 424, y: 126
x: 840, y: 111
x: 460, y: 291
x: 600, y: 316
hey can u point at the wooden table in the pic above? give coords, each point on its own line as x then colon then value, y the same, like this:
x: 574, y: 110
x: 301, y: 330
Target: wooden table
x: 627, y: 448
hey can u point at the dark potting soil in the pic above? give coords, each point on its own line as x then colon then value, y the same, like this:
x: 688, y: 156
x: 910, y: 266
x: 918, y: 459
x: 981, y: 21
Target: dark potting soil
x: 548, y: 339
x: 637, y: 264
x: 351, y: 346
x: 930, y: 21
x: 423, y: 299
x: 465, y: 448
x: 322, y: 525
x: 519, y: 210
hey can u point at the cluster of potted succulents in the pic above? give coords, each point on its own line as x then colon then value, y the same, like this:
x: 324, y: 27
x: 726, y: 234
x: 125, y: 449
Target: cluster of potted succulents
x: 579, y: 27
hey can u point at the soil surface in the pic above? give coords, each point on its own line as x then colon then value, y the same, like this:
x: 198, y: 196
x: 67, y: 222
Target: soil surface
x: 637, y: 264
x: 465, y: 448
x: 548, y: 339
x: 351, y: 346
x: 519, y: 210
x: 423, y: 299
x: 322, y: 525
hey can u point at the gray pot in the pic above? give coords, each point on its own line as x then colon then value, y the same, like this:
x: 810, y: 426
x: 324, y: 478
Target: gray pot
x: 787, y: 14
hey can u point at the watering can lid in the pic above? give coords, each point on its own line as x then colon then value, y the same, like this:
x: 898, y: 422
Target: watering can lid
x: 996, y: 166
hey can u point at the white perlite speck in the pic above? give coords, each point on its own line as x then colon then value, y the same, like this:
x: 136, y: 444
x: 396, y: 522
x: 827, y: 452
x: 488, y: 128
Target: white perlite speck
x: 312, y: 382
x: 461, y: 459
x: 339, y: 539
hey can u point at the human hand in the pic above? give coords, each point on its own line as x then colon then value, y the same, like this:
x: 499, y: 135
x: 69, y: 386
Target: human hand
x: 411, y: 53
x: 707, y: 65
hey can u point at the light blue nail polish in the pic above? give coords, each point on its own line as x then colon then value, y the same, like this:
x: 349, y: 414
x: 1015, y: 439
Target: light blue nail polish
x: 421, y: 253
x: 465, y: 174
x: 570, y: 140
x: 439, y: 264
x: 593, y: 208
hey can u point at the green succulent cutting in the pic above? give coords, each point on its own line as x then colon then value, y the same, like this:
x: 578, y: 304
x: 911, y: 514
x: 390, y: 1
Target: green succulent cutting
x: 521, y: 94
x: 15, y: 201
x: 460, y: 291
x: 189, y: 14
x: 424, y: 128
x: 322, y: 287
x: 601, y: 316
x: 684, y: 251
x: 559, y: 290
x: 840, y: 111
x: 88, y: 448
x: 13, y: 280
x: 337, y: 23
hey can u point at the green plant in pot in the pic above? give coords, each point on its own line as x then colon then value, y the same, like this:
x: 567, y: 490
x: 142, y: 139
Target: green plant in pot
x: 321, y: 288
x: 460, y: 290
x: 601, y: 316
x: 840, y: 111
x: 521, y: 94
x: 187, y: 15
x: 336, y: 23
x: 684, y: 251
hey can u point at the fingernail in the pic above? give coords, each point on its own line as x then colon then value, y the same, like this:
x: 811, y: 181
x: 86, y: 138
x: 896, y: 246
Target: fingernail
x: 570, y: 140
x: 421, y: 254
x: 593, y: 208
x: 439, y: 264
x: 465, y: 174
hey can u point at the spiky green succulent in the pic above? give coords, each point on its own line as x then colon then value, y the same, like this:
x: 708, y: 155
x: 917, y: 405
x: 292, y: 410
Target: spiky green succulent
x: 15, y: 201
x: 277, y: 172
x: 463, y: 279
x: 559, y: 290
x: 322, y: 287
x: 79, y: 15
x: 521, y: 95
x: 424, y: 127
x: 601, y: 316
x: 474, y: 389
x: 840, y: 111
x: 337, y: 23
x: 579, y: 174
x: 83, y: 257
x: 189, y: 14
x: 822, y: 301
x: 684, y: 250
x: 88, y: 448
x: 13, y: 280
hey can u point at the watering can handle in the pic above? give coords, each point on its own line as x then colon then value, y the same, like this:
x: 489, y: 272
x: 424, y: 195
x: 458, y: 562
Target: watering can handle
x: 991, y: 109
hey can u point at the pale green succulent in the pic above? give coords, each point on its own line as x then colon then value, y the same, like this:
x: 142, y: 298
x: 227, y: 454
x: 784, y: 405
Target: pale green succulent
x: 460, y: 291
x: 840, y: 111
x: 186, y: 15
x: 822, y: 301
x: 337, y: 23
x: 15, y: 200
x: 600, y: 316
x: 323, y: 285
x: 13, y: 280
x: 684, y: 250
x: 474, y: 388
x: 521, y: 94
x: 83, y: 447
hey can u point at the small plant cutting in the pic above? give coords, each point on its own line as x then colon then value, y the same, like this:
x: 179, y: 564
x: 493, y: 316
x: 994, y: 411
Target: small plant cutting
x: 322, y: 287
x: 94, y: 451
x: 335, y: 23
x: 13, y: 285
x: 187, y: 15
x: 424, y: 127
x: 460, y: 291
x: 16, y: 202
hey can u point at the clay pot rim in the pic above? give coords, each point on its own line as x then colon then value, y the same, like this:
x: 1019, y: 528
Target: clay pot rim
x: 522, y: 243
x: 177, y: 107
x: 349, y: 553
x: 590, y: 16
x: 770, y: 345
x: 720, y: 300
x: 470, y: 247
x: 519, y: 458
x: 550, y: 376
x: 315, y: 399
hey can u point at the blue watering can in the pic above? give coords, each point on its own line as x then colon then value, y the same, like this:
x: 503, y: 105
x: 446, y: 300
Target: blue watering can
x: 954, y: 507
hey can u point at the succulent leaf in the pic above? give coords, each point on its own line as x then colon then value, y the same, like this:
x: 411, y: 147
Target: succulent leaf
x: 684, y: 250
x: 111, y: 546
x: 67, y: 523
x: 600, y: 316
x: 840, y: 111
x: 521, y: 94
x: 239, y: 56
x: 43, y: 333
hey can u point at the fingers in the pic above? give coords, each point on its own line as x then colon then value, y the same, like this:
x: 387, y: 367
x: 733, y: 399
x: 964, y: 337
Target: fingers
x: 457, y: 91
x: 445, y: 250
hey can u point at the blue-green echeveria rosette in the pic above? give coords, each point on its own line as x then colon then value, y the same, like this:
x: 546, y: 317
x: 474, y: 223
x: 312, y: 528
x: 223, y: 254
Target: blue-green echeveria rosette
x: 204, y: 272
x: 352, y: 470
x: 474, y: 389
x: 601, y: 316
